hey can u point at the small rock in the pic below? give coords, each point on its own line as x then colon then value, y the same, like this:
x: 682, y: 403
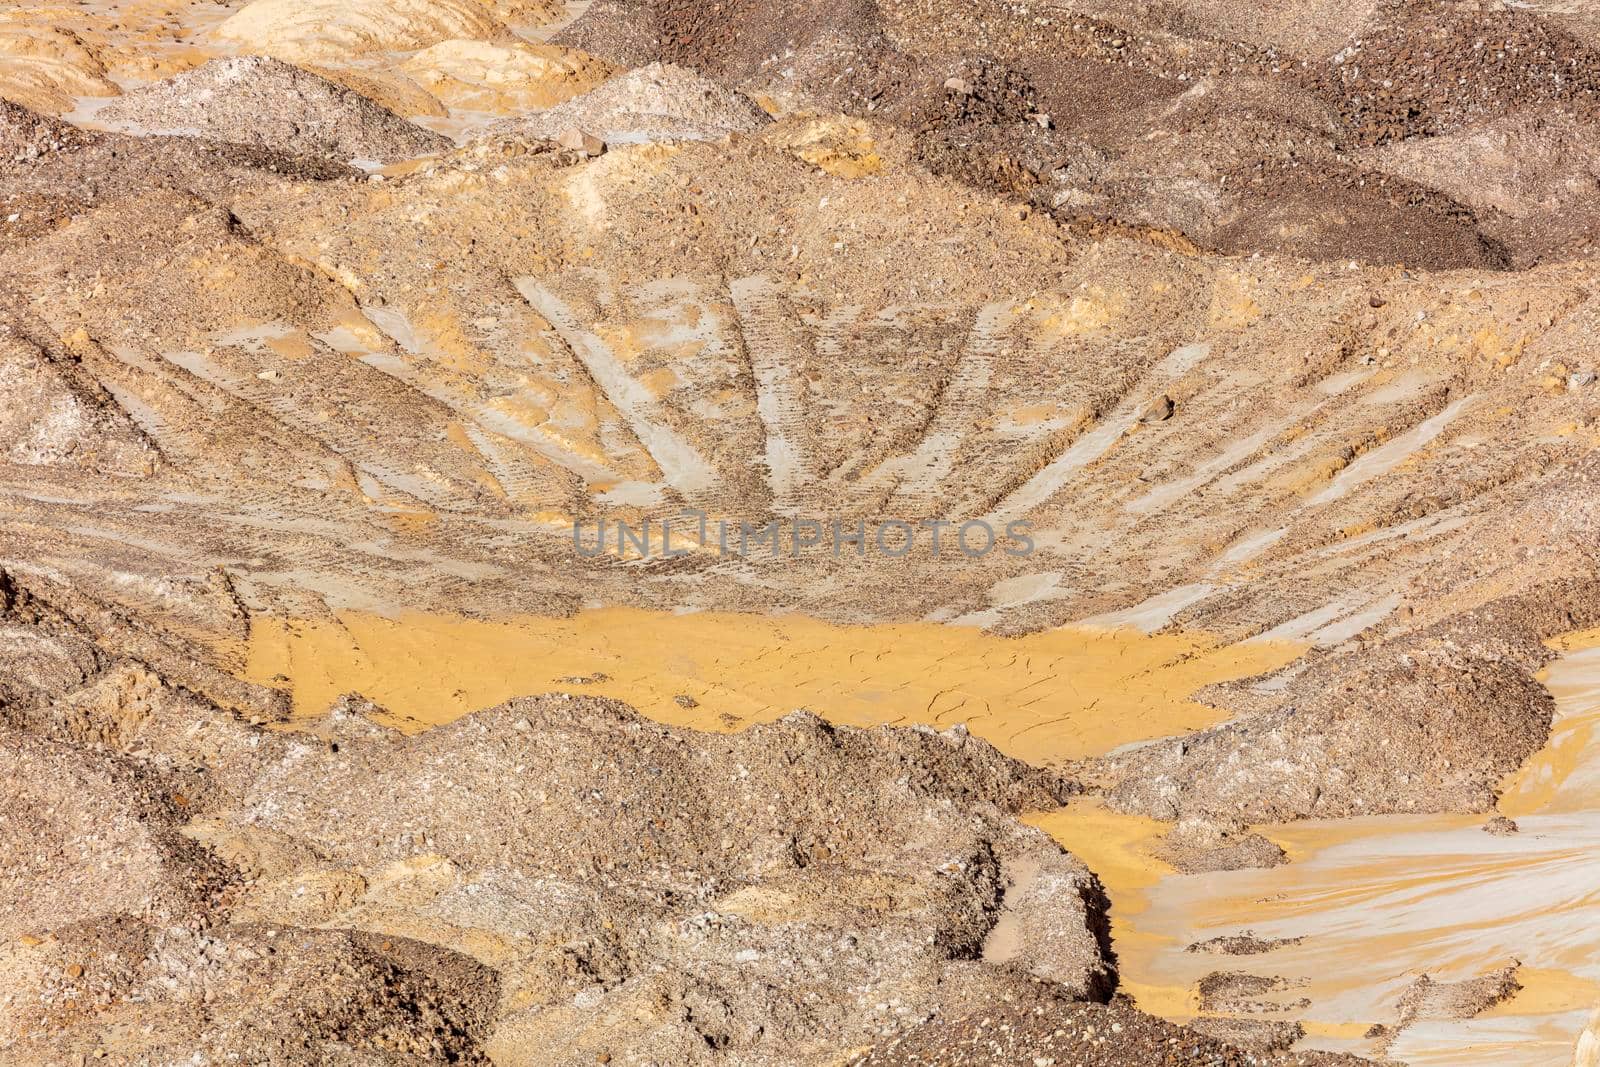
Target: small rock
x: 684, y: 700
x: 1579, y: 379
x: 1501, y: 826
x: 956, y: 85
x: 1158, y: 410
x: 579, y: 141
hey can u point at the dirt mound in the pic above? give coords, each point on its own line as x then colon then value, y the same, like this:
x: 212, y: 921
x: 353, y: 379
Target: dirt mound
x: 1418, y: 731
x: 1145, y: 115
x: 26, y: 135
x: 724, y: 897
x: 388, y: 89
x: 1429, y: 998
x: 50, y: 413
x: 1263, y: 1035
x: 620, y: 31
x: 1531, y: 176
x: 1522, y: 165
x: 1245, y: 944
x: 53, y: 172
x: 1007, y: 1027
x: 1421, y: 68
x: 653, y: 103
x: 258, y: 993
x: 265, y: 103
x: 1197, y: 847
x: 85, y: 837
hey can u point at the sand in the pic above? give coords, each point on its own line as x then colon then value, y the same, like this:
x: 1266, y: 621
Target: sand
x: 1047, y: 698
x: 45, y: 69
x: 298, y: 30
x: 480, y: 76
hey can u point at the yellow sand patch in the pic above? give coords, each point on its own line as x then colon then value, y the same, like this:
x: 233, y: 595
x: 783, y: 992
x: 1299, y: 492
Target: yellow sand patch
x: 1047, y: 697
x: 338, y: 29
x: 1119, y: 849
x: 43, y: 68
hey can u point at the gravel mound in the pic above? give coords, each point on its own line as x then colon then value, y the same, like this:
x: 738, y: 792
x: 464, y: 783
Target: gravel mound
x: 1414, y: 731
x: 621, y: 31
x: 266, y: 103
x: 1429, y: 998
x: 27, y: 135
x: 1422, y: 68
x: 252, y: 993
x: 1017, y: 1025
x: 654, y: 103
x: 52, y: 415
x: 83, y: 836
x: 696, y: 897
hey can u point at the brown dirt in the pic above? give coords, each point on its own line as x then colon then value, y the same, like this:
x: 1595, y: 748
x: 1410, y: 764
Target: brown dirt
x: 1022, y: 1029
x: 1195, y: 145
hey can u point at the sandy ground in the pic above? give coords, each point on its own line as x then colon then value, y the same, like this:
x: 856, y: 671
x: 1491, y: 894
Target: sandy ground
x: 1046, y: 698
x: 326, y: 324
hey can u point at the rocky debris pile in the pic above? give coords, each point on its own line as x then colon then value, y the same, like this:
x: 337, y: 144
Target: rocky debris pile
x: 620, y: 31
x: 1236, y: 991
x: 258, y: 993
x: 86, y: 836
x: 1419, y: 68
x: 1261, y: 1035
x: 553, y: 880
x: 1196, y: 846
x: 775, y: 894
x: 53, y: 171
x: 654, y: 103
x: 1429, y: 998
x: 1244, y: 944
x: 51, y: 413
x: 1020, y: 1025
x: 1145, y: 118
x: 1412, y: 731
x: 266, y: 103
x: 26, y: 136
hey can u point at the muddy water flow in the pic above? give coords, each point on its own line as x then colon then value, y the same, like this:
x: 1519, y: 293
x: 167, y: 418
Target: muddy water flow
x: 1372, y: 904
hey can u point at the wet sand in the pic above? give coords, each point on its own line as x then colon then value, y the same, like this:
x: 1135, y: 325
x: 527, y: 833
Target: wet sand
x: 1046, y: 697
x: 1380, y: 901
